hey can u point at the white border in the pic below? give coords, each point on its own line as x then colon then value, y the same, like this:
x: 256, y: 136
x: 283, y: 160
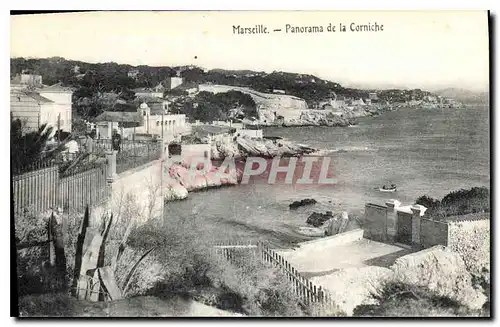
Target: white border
x: 192, y: 5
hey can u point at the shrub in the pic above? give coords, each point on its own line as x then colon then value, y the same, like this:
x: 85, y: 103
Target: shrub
x: 460, y: 202
x: 183, y: 264
x: 254, y: 288
x: 403, y: 300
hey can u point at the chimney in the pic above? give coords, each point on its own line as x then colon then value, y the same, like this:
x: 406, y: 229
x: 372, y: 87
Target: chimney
x: 418, y: 211
x: 392, y: 218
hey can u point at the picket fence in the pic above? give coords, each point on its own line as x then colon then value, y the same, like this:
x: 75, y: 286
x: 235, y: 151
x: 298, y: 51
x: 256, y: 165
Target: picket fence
x: 40, y: 190
x: 307, y: 292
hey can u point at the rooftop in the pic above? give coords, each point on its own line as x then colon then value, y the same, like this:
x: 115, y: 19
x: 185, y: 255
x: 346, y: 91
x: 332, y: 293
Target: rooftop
x: 38, y: 97
x: 130, y: 119
x: 34, y: 95
x: 203, y: 130
x: 59, y: 88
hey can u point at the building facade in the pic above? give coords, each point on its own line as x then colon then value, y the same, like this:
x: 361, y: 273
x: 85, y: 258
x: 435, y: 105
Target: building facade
x: 173, y: 82
x: 35, y: 104
x: 62, y: 101
x: 31, y: 109
x: 156, y: 120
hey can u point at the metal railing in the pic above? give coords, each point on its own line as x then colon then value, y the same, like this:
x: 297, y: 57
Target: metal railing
x: 307, y: 292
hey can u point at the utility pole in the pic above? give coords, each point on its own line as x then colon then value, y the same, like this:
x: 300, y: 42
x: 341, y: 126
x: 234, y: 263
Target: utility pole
x: 162, y: 122
x: 58, y: 128
x: 162, y: 163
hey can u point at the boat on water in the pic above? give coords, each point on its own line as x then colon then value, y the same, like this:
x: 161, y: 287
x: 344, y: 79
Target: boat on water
x: 391, y: 188
x: 311, y: 231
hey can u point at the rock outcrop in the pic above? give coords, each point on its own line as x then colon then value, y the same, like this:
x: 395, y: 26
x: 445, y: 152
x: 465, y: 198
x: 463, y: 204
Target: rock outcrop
x: 320, y: 118
x: 303, y: 202
x: 355, y: 286
x: 199, y: 179
x: 175, y: 191
x: 240, y: 147
x: 441, y: 271
x: 332, y: 224
x: 437, y: 269
x: 337, y: 224
x: 317, y: 219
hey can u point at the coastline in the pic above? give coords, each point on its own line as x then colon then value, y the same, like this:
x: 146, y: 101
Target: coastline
x: 180, y: 180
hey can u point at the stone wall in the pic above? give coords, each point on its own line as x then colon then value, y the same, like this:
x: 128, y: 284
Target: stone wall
x: 136, y: 193
x: 333, y: 241
x: 471, y: 239
x: 375, y: 222
x: 433, y: 233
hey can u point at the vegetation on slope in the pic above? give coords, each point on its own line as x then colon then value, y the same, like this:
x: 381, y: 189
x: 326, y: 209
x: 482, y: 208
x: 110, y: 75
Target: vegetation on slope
x: 461, y: 202
x: 218, y: 106
x: 403, y: 300
x: 91, y: 81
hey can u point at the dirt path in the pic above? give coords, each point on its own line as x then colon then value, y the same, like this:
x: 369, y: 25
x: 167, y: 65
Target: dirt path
x: 59, y: 305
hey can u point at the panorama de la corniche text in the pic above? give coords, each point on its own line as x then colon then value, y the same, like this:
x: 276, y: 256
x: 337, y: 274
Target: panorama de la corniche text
x: 295, y: 28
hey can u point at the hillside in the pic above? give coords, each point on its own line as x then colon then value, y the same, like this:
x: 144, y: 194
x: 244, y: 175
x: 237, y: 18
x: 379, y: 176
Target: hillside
x: 92, y: 80
x: 464, y: 95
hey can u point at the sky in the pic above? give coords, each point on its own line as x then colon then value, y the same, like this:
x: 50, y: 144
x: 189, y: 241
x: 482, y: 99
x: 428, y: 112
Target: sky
x: 424, y: 49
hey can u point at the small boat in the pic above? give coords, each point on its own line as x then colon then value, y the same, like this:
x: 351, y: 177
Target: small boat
x: 311, y: 231
x: 384, y: 188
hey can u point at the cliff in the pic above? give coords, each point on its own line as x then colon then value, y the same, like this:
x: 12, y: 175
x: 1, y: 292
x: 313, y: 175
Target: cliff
x: 288, y: 110
x: 180, y: 179
x: 243, y: 146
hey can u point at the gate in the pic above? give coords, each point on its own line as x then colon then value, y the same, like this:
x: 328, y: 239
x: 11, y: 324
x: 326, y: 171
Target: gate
x: 404, y: 228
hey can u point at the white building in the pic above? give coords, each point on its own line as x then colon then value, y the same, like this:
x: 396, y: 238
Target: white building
x: 154, y: 92
x: 173, y: 82
x: 62, y: 101
x: 35, y: 104
x: 157, y: 119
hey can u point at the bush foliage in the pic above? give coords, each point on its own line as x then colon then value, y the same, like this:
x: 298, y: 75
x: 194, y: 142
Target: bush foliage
x: 403, y: 300
x: 461, y: 202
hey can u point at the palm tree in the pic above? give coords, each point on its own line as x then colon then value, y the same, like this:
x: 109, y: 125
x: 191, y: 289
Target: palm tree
x: 30, y: 149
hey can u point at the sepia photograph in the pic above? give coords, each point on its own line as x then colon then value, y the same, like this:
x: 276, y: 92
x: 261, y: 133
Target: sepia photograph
x: 242, y: 164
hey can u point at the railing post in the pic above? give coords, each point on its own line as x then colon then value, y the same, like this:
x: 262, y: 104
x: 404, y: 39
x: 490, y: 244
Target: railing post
x: 111, y: 170
x: 111, y: 165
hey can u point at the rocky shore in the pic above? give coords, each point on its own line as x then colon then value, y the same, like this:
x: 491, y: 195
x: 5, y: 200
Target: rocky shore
x: 341, y: 118
x: 180, y: 179
x: 318, y: 118
x: 242, y: 147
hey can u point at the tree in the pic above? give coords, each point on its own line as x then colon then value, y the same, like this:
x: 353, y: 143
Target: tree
x: 29, y: 148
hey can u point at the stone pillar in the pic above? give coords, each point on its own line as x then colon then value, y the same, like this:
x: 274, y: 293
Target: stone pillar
x: 417, y: 212
x: 111, y: 161
x: 392, y: 219
x: 110, y: 130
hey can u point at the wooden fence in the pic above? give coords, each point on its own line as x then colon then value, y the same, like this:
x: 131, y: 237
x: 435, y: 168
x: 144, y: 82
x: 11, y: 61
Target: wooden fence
x: 43, y: 189
x: 36, y: 190
x: 82, y: 189
x: 307, y: 292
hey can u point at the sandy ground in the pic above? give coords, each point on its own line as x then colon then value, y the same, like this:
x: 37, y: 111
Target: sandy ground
x: 323, y: 259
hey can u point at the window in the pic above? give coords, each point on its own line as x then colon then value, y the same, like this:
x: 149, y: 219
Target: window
x: 157, y: 123
x: 144, y: 112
